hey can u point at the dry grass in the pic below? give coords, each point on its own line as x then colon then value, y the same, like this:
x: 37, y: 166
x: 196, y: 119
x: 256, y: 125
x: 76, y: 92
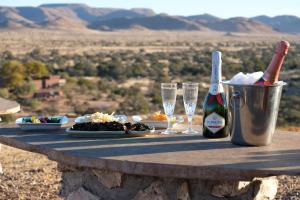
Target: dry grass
x: 27, y: 176
x: 21, y: 41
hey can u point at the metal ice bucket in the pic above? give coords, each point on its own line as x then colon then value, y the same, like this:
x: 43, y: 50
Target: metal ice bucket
x: 253, y: 112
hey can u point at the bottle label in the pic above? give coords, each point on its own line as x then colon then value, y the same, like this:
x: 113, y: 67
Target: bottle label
x: 216, y: 88
x: 214, y: 122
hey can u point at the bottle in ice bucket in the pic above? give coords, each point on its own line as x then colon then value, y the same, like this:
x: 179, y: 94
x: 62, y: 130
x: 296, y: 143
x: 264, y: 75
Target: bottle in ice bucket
x: 215, y: 119
x: 272, y: 72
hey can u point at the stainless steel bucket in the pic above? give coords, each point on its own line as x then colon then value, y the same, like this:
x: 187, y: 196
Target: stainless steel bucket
x: 253, y: 112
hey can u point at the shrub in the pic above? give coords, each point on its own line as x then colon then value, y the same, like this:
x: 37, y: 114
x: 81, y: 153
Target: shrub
x: 7, y: 118
x: 4, y: 93
x: 86, y: 84
x: 27, y: 88
x: 135, y: 102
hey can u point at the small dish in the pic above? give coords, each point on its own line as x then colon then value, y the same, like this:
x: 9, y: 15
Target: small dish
x: 156, y: 123
x: 41, y: 126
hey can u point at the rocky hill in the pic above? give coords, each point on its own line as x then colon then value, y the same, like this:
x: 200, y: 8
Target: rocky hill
x: 81, y: 16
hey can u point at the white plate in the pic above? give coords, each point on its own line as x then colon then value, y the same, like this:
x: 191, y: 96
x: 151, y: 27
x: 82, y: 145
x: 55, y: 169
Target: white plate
x: 106, y: 134
x: 41, y: 126
x: 78, y: 119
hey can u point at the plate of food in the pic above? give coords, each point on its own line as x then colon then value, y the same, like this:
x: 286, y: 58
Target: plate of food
x: 106, y: 125
x: 158, y: 120
x: 40, y: 123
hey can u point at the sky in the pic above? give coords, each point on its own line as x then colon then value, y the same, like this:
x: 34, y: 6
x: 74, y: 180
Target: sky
x: 220, y: 8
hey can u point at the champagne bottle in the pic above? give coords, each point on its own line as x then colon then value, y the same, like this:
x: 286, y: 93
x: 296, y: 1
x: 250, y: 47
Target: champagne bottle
x: 215, y: 119
x: 271, y: 74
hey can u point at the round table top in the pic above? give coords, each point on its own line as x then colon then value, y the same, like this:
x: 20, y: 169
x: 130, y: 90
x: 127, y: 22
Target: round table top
x: 8, y: 107
x: 178, y: 156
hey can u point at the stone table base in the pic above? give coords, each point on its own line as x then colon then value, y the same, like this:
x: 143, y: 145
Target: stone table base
x: 90, y: 184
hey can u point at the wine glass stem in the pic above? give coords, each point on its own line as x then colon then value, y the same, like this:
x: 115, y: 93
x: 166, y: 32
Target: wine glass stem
x: 169, y: 122
x: 190, y: 121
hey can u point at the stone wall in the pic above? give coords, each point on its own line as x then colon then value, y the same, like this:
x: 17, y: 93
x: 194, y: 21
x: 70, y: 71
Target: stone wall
x: 1, y: 171
x: 91, y: 184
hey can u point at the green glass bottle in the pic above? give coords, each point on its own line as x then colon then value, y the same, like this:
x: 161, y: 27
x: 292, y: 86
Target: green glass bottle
x: 215, y: 119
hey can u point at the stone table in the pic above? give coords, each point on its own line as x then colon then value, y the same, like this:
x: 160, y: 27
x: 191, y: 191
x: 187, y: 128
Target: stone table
x: 163, y: 167
x: 8, y: 107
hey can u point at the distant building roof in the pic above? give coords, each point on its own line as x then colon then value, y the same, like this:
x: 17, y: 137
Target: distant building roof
x: 8, y: 107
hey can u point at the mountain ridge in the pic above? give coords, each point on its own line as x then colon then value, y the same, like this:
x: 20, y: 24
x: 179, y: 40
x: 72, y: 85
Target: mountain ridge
x: 82, y: 16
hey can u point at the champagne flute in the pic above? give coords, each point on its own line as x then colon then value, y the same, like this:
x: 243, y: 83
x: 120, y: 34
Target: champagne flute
x: 168, y: 93
x: 190, y: 96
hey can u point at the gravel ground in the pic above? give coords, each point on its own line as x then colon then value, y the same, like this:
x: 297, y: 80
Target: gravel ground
x: 30, y: 176
x: 289, y: 188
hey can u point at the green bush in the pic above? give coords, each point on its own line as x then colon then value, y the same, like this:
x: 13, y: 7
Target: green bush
x: 27, y: 88
x: 4, y: 93
x: 7, y: 118
x: 86, y: 84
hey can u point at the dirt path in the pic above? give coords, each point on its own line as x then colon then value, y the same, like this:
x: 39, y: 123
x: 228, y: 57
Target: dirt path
x: 30, y: 176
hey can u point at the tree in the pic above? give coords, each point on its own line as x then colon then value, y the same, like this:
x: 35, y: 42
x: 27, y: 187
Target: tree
x: 36, y: 69
x: 12, y: 74
x: 135, y: 102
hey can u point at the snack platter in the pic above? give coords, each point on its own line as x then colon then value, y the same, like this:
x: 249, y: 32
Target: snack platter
x: 41, y: 123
